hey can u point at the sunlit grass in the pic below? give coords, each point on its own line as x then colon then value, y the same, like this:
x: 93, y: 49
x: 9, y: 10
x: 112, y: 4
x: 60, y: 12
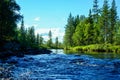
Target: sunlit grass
x: 98, y: 48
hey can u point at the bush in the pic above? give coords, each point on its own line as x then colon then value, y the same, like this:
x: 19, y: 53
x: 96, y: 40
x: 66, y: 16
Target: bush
x: 98, y: 48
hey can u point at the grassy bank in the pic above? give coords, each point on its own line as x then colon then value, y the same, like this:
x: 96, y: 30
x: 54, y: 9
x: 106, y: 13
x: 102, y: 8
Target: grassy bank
x: 97, y: 48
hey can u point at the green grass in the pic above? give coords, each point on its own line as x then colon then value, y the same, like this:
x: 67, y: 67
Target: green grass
x: 97, y: 48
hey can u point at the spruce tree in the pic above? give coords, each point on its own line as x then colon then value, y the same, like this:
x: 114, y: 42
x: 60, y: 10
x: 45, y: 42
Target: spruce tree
x: 49, y: 43
x: 38, y: 39
x: 23, y: 33
x: 41, y: 41
x: 96, y: 16
x: 113, y: 19
x: 56, y: 43
x: 89, y: 29
x: 9, y: 17
x: 105, y: 21
x: 95, y: 11
x: 69, y: 31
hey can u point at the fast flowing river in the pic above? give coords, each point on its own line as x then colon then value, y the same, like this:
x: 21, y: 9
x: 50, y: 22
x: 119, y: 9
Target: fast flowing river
x: 61, y: 66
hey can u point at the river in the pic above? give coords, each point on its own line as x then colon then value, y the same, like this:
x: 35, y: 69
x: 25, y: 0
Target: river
x: 61, y: 66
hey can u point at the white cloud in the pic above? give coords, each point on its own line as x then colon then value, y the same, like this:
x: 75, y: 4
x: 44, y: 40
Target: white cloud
x: 37, y: 19
x: 56, y: 32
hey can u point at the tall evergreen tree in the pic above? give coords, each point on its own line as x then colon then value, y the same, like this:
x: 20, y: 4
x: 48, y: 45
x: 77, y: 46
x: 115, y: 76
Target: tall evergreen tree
x: 9, y: 17
x: 105, y: 21
x: 76, y: 21
x: 95, y: 11
x: 41, y: 41
x: 78, y: 36
x: 56, y: 42
x: 113, y: 19
x: 49, y: 43
x: 31, y: 36
x: 96, y: 16
x: 23, y: 33
x: 89, y: 29
x: 69, y: 31
x: 38, y: 39
x: 117, y: 35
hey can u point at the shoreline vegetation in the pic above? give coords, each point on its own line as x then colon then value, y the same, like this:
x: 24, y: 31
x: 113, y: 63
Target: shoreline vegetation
x: 96, y: 48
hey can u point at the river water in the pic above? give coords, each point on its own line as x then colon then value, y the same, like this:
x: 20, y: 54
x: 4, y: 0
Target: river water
x: 61, y: 66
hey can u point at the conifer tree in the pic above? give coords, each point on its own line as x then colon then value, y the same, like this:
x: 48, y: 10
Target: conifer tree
x: 95, y: 11
x: 105, y: 21
x: 56, y: 42
x: 41, y: 41
x: 69, y: 31
x: 113, y: 19
x: 49, y: 43
x: 9, y: 16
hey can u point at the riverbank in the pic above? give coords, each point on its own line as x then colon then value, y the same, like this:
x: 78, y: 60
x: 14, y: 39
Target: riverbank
x: 97, y: 48
x: 21, y: 53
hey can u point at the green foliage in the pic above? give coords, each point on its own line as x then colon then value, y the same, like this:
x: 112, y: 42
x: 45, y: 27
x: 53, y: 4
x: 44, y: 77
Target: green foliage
x: 117, y: 40
x: 49, y: 42
x: 78, y: 36
x: 98, y: 48
x: 113, y: 19
x: 27, y: 37
x: 69, y: 31
x: 105, y: 21
x: 56, y: 43
x: 101, y: 28
x: 8, y: 19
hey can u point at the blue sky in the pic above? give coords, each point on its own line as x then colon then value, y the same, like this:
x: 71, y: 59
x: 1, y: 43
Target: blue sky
x: 52, y: 15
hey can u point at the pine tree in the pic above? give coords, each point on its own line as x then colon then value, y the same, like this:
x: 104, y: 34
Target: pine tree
x: 49, y: 43
x: 105, y: 21
x: 113, y: 19
x: 96, y: 16
x: 117, y: 34
x: 69, y: 31
x: 38, y: 39
x: 41, y: 41
x: 89, y: 29
x: 95, y: 11
x: 31, y: 36
x: 56, y: 43
x: 76, y: 21
x: 78, y: 36
x: 23, y: 33
x: 8, y: 19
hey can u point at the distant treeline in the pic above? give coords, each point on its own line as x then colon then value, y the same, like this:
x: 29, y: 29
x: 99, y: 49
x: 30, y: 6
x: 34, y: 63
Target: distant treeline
x: 102, y: 26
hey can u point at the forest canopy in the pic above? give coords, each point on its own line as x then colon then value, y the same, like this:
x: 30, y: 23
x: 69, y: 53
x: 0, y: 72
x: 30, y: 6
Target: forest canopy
x: 102, y: 26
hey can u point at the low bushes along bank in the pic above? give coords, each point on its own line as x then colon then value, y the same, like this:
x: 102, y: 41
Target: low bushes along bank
x: 97, y: 48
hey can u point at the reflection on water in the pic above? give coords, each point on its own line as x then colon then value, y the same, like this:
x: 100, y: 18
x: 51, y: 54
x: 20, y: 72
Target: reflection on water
x: 57, y: 51
x: 94, y: 54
